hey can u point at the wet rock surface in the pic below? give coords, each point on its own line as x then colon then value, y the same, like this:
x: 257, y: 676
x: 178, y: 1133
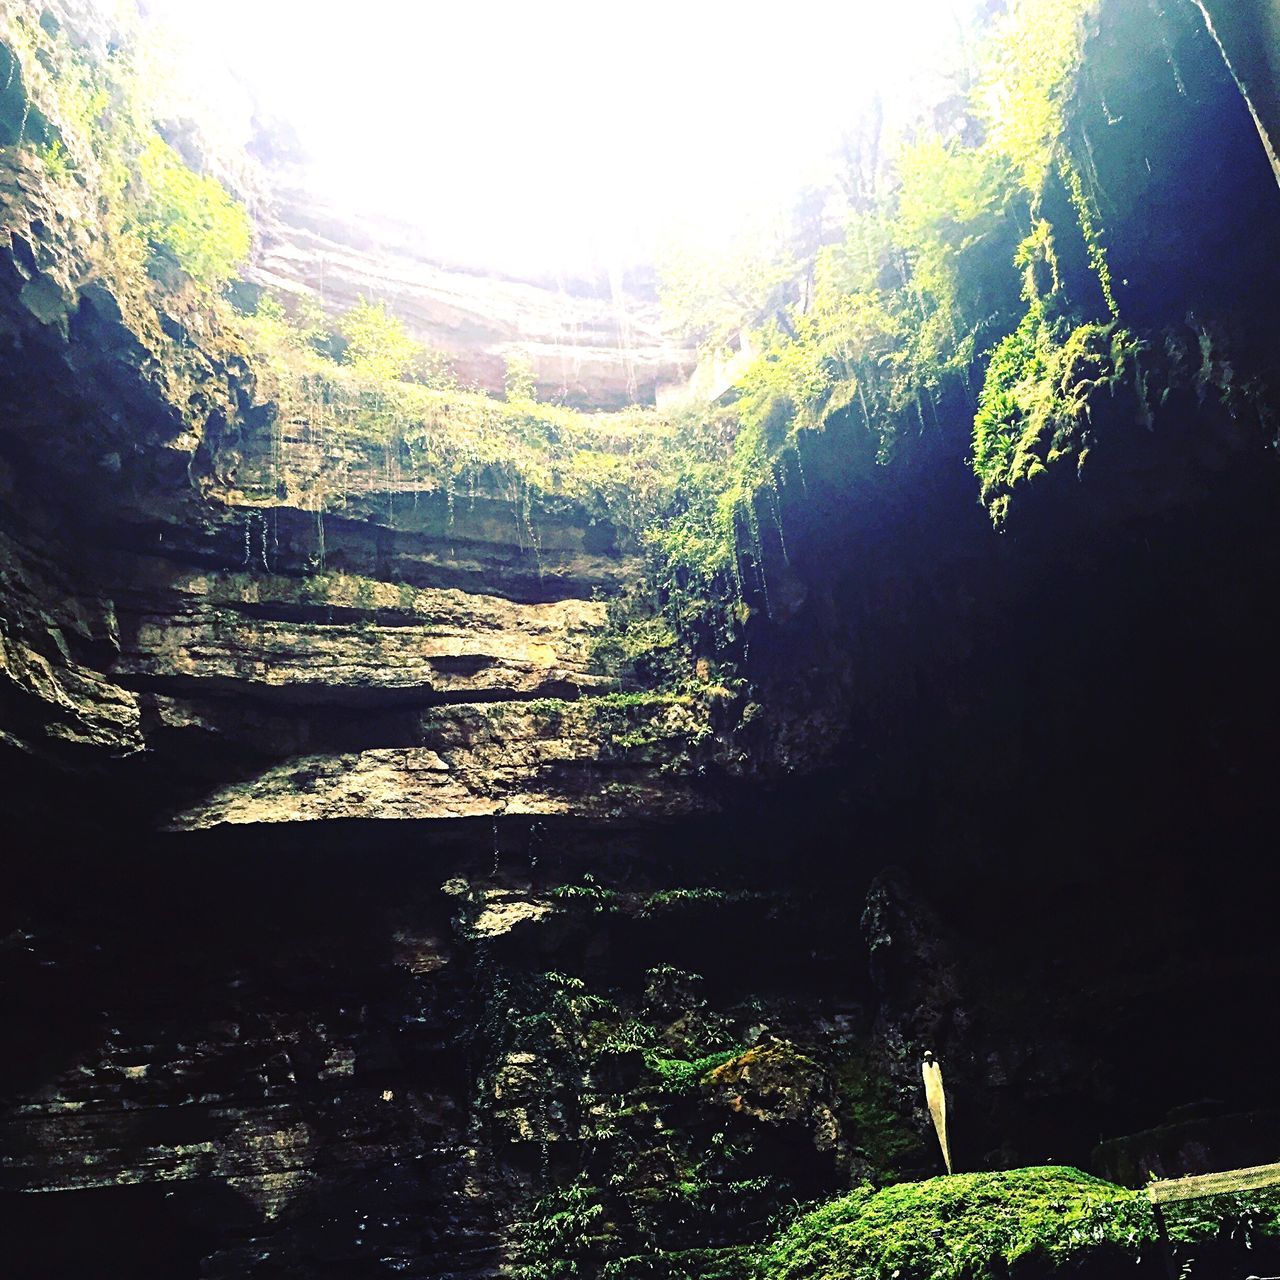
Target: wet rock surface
x: 370, y: 1053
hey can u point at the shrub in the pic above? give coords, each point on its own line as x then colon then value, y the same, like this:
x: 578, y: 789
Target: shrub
x: 191, y: 215
x: 378, y: 344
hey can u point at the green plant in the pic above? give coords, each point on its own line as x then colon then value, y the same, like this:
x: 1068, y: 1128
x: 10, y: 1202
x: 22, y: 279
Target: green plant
x: 98, y: 124
x: 379, y: 347
x: 558, y: 1235
x: 977, y: 1226
x: 520, y: 380
x: 1035, y: 402
x: 190, y: 215
x: 682, y: 1075
x: 587, y: 892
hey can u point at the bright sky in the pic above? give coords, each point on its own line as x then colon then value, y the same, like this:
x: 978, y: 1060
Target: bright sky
x: 559, y: 135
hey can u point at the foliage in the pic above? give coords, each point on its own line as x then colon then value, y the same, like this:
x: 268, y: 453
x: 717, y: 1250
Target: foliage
x: 664, y: 900
x: 550, y: 1013
x: 520, y: 380
x: 596, y: 897
x: 278, y: 331
x: 1025, y: 90
x: 379, y: 347
x: 902, y: 312
x: 974, y: 1226
x: 541, y: 459
x: 190, y: 215
x: 102, y: 134
x: 637, y: 643
x: 1035, y: 402
x: 955, y: 224
x: 633, y: 723
x: 681, y: 1075
x: 1087, y: 216
x: 558, y: 1236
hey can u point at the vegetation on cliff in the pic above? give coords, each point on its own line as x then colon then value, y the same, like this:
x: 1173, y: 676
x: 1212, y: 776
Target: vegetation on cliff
x: 970, y: 301
x: 657, y: 1133
x: 930, y: 308
x: 92, y: 123
x: 945, y: 296
x: 373, y: 385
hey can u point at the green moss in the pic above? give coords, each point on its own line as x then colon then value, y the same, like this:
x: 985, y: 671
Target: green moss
x: 960, y: 1228
x: 664, y: 729
x: 978, y: 1225
x: 1035, y: 408
x: 682, y: 1075
x: 877, y: 1129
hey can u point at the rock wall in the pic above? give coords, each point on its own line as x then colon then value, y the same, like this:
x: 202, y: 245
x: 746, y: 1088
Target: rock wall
x: 360, y: 922
x: 1249, y: 36
x: 587, y: 347
x: 172, y: 577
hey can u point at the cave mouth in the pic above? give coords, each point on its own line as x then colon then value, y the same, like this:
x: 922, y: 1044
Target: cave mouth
x: 560, y: 142
x: 513, y: 769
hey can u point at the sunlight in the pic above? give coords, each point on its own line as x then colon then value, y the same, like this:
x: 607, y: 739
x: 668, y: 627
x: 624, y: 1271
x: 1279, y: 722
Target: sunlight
x: 554, y: 137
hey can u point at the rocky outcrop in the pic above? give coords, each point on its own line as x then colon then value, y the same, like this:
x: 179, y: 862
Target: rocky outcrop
x: 242, y: 1095
x: 345, y: 639
x: 776, y: 1086
x: 1249, y: 37
x: 282, y: 620
x: 587, y: 348
x: 478, y: 761
x: 359, y: 1051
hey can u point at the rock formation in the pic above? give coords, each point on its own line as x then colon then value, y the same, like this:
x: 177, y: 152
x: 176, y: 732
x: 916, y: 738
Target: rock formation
x: 364, y: 916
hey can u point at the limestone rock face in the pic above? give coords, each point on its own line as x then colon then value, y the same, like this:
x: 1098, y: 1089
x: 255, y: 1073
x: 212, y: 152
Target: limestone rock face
x: 285, y: 626
x: 346, y: 639
x: 1249, y: 37
x: 468, y: 761
x: 587, y: 349
x: 360, y: 920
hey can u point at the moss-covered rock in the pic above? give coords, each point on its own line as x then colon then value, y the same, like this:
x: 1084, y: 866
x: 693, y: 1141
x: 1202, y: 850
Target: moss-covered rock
x: 970, y: 1225
x: 774, y: 1084
x: 1040, y: 1221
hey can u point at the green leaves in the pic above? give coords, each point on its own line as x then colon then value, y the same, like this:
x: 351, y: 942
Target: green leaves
x: 191, y: 215
x: 378, y: 344
x: 1034, y: 406
x: 1025, y: 88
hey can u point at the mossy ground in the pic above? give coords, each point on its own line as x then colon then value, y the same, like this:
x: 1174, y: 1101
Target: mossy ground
x: 1038, y: 1221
